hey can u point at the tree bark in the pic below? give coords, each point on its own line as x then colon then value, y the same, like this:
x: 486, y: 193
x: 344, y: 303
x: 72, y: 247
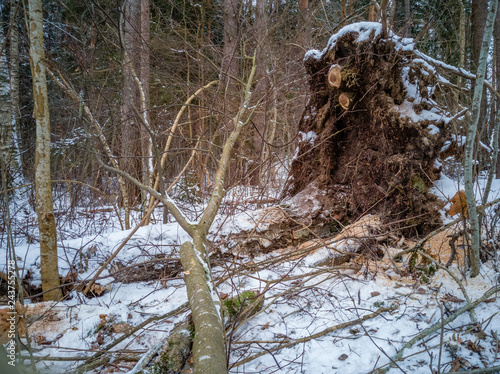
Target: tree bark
x: 408, y: 22
x: 496, y: 36
x: 5, y: 112
x: 230, y: 60
x: 305, y: 24
x: 209, y: 344
x: 146, y: 144
x: 478, y: 20
x: 14, y: 88
x: 46, y: 220
x: 135, y: 137
x: 471, y: 137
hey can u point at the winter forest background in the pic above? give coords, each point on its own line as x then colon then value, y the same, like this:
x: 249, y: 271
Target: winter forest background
x: 256, y: 186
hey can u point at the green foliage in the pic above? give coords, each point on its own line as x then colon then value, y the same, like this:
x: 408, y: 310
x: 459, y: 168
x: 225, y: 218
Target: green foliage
x: 418, y: 183
x: 413, y: 261
x: 233, y: 306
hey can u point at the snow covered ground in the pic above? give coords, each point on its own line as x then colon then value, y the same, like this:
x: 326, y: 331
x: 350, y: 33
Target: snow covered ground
x: 303, y: 308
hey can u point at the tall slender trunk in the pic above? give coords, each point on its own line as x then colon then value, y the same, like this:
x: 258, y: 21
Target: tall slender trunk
x: 462, y: 39
x: 496, y: 36
x: 5, y: 111
x: 14, y: 91
x: 471, y: 137
x: 46, y: 220
x: 408, y: 22
x: 230, y: 59
x: 136, y: 138
x: 305, y: 24
x: 143, y: 74
x: 478, y: 21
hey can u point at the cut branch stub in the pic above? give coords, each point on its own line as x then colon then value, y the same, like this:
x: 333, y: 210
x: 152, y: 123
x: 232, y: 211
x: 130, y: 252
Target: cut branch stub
x: 335, y: 76
x: 345, y: 99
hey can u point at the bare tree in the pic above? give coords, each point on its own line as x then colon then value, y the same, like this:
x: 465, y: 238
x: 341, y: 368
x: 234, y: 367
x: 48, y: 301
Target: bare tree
x: 135, y: 137
x: 14, y: 85
x: 46, y: 220
x: 209, y: 354
x: 471, y: 137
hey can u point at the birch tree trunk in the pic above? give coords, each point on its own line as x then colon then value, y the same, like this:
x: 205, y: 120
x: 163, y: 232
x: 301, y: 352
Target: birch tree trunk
x: 143, y: 87
x: 496, y: 36
x: 471, y: 137
x: 46, y: 220
x: 479, y: 10
x: 5, y: 113
x: 14, y: 90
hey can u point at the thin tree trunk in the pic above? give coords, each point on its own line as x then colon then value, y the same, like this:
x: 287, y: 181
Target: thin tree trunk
x: 471, y: 137
x: 146, y: 143
x: 462, y: 38
x: 14, y: 89
x: 305, y: 24
x: 130, y: 143
x: 478, y: 20
x: 496, y: 36
x: 408, y: 22
x: 230, y: 60
x: 5, y: 111
x: 46, y: 220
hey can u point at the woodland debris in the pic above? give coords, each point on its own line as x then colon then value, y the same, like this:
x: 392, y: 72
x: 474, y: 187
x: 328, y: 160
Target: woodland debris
x: 151, y: 270
x: 373, y: 138
x: 459, y: 205
x: 339, y: 249
x: 11, y: 322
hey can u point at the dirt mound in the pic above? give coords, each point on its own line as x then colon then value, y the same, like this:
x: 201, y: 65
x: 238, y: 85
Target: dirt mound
x: 370, y: 136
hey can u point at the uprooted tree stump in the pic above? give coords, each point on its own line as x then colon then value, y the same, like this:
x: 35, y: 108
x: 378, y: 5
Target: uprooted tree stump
x: 371, y: 133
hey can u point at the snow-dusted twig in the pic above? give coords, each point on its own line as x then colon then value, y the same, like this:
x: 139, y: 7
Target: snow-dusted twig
x: 96, y: 357
x: 315, y: 336
x: 438, y: 326
x: 457, y: 281
x: 493, y: 369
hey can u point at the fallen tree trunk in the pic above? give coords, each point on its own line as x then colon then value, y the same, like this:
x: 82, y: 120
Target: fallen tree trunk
x: 209, y: 344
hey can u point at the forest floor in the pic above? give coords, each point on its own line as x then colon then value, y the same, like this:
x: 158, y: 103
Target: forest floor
x: 314, y: 319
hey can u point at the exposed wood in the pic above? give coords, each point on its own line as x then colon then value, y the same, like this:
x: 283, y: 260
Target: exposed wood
x: 346, y: 99
x: 335, y: 76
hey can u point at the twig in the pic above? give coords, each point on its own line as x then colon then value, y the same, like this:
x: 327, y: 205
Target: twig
x: 314, y: 336
x: 460, y: 285
x: 420, y: 243
x: 438, y: 325
x: 493, y: 369
x: 103, y: 351
x: 120, y: 247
